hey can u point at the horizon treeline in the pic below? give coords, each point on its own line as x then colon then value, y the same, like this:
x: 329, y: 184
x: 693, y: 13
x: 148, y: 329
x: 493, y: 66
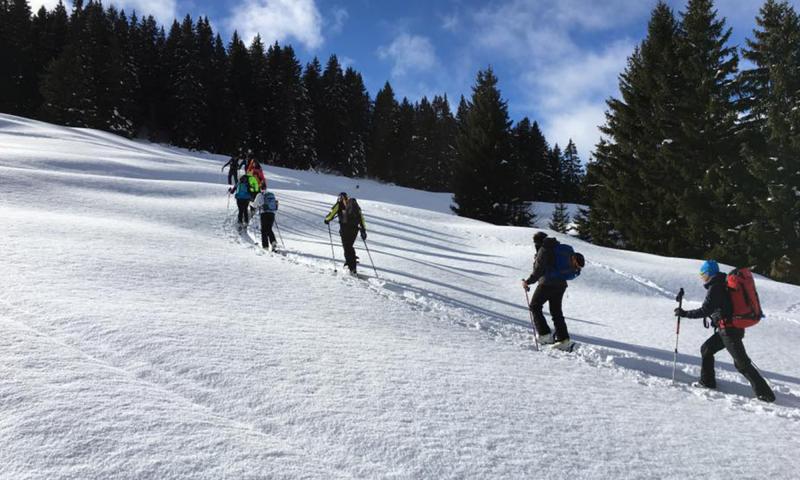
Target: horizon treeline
x: 96, y: 67
x: 701, y: 159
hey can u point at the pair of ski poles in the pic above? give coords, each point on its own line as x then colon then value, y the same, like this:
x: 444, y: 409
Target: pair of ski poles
x: 333, y: 255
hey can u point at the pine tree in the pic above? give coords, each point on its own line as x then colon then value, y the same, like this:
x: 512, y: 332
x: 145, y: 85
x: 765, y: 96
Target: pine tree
x: 440, y: 173
x: 359, y: 110
x: 257, y: 101
x: 383, y: 133
x: 312, y: 82
x: 17, y: 75
x: 582, y: 224
x: 638, y: 177
x: 571, y: 172
x: 483, y: 187
x: 404, y: 163
x: 706, y: 148
x: 239, y: 81
x: 772, y: 143
x: 559, y: 221
x: 552, y: 181
x: 333, y: 119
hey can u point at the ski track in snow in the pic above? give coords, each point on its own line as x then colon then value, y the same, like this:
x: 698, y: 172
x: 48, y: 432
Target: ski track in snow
x: 731, y: 389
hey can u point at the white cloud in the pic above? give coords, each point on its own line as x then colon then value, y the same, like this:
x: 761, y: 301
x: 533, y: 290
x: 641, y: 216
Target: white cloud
x: 278, y: 20
x: 409, y: 53
x: 450, y: 22
x: 562, y: 82
x: 340, y: 16
x: 164, y: 10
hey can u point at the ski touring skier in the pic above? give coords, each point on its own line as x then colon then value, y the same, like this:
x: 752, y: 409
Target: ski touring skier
x: 233, y: 169
x: 267, y: 206
x: 728, y: 333
x: 351, y: 221
x: 551, y: 279
x: 243, y: 194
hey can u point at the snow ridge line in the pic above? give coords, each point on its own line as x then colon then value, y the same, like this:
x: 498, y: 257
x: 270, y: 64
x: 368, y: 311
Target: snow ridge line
x: 635, y: 278
x: 591, y: 355
x: 208, y: 410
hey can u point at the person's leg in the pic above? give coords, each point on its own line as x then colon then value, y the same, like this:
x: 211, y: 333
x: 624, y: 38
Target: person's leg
x: 242, y: 206
x: 556, y: 314
x: 270, y: 232
x: 732, y: 338
x: 348, y: 240
x: 537, y: 304
x: 264, y: 226
x: 707, y: 351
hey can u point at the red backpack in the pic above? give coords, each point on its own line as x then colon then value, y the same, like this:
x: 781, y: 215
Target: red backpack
x: 744, y: 299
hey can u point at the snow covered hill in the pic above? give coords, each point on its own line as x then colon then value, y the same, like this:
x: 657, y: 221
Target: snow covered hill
x: 142, y: 337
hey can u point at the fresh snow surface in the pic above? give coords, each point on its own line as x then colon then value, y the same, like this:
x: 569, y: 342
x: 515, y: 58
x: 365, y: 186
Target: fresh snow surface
x: 143, y: 337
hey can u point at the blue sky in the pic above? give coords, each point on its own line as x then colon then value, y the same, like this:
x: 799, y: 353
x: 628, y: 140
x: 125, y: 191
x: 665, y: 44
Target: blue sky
x: 557, y: 60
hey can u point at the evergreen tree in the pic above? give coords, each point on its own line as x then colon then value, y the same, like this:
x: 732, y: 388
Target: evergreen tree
x: 187, y: 102
x: 312, y: 82
x: 530, y: 151
x: 333, y: 125
x: 571, y: 172
x: 771, y: 98
x: 359, y: 110
x: 403, y: 153
x: 706, y: 148
x: 582, y: 224
x: 439, y: 174
x: 552, y: 181
x: 383, y: 134
x: 638, y: 176
x: 559, y: 222
x: 482, y: 187
x: 239, y: 81
x: 260, y: 114
x: 17, y: 76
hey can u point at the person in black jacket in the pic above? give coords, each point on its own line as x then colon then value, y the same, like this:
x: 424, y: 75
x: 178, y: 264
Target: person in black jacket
x: 548, y: 290
x: 350, y: 222
x: 233, y: 170
x: 717, y: 306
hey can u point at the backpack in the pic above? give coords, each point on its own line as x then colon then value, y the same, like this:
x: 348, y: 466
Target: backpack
x: 242, y: 191
x: 567, y: 265
x: 270, y: 202
x: 352, y: 212
x: 255, y: 186
x: 744, y: 299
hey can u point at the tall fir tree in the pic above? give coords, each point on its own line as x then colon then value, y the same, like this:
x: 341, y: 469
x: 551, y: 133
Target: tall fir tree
x: 17, y: 76
x: 359, y: 110
x: 239, y: 81
x: 771, y: 97
x: 483, y: 188
x: 312, y: 82
x: 571, y: 173
x: 632, y: 204
x: 383, y: 134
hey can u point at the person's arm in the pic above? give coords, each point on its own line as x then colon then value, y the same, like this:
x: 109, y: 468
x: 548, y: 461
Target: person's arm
x: 711, y: 304
x: 538, y: 267
x: 333, y: 212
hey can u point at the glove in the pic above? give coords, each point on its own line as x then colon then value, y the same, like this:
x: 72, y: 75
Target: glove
x: 363, y: 234
x: 326, y: 221
x: 679, y: 312
x: 525, y: 286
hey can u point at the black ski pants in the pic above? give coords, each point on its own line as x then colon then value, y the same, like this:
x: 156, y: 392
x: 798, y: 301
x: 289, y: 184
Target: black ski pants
x: 267, y: 236
x: 731, y: 340
x: 349, y: 236
x: 243, y: 214
x: 233, y: 174
x: 553, y: 295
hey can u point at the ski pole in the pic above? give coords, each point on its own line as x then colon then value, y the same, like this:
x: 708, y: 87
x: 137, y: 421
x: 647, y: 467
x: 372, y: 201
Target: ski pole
x: 530, y: 314
x: 370, y: 257
x: 678, y: 299
x: 333, y: 256
x: 279, y: 233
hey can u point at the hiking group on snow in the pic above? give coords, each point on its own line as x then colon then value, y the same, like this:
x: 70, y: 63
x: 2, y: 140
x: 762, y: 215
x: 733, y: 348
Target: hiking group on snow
x: 731, y: 304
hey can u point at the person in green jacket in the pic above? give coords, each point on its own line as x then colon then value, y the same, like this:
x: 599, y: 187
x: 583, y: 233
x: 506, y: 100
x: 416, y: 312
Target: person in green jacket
x: 351, y: 220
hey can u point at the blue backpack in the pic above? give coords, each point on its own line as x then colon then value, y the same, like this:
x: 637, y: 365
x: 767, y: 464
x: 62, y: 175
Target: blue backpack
x: 242, y: 191
x: 270, y: 202
x: 566, y: 264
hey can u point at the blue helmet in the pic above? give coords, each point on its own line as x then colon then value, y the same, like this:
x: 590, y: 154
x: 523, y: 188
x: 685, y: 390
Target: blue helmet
x: 709, y: 268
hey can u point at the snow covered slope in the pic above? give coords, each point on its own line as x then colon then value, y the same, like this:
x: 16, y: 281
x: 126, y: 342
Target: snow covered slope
x: 142, y: 337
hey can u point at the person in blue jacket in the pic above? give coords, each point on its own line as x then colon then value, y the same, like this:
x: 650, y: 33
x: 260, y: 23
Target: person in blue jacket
x: 242, y: 194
